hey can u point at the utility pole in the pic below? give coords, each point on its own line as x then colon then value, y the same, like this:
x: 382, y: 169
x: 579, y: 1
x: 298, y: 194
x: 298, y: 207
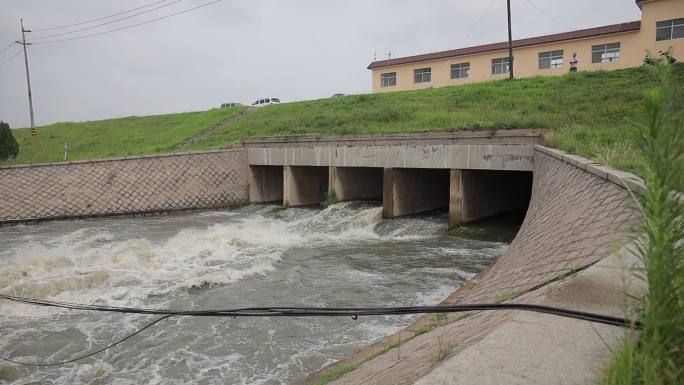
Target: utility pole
x: 510, y: 43
x: 28, y: 77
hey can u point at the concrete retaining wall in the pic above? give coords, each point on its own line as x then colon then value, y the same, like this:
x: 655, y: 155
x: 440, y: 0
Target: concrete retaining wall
x: 123, y: 186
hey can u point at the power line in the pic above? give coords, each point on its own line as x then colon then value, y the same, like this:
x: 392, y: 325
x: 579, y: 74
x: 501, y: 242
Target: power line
x: 11, y: 57
x: 106, y: 23
x: 477, y: 22
x: 129, y: 26
x: 568, y: 27
x: 7, y: 47
x: 98, y: 19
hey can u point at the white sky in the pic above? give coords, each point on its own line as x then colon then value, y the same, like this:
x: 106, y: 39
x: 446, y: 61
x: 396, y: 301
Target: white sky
x: 241, y: 50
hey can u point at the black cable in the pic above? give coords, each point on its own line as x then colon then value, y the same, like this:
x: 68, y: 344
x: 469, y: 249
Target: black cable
x: 33, y: 38
x: 129, y: 26
x: 308, y: 312
x: 83, y: 357
x: 336, y: 312
x: 10, y: 58
x: 98, y: 19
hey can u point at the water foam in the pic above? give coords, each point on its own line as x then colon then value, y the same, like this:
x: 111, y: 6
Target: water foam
x: 92, y: 265
x: 159, y: 262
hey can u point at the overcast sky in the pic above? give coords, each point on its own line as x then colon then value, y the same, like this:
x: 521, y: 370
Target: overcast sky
x: 241, y: 50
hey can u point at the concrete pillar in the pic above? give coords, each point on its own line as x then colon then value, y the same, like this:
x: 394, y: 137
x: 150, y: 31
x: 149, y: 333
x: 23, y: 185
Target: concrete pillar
x: 265, y: 184
x: 304, y: 186
x: 413, y: 191
x: 356, y: 183
x: 478, y: 194
x: 455, y: 198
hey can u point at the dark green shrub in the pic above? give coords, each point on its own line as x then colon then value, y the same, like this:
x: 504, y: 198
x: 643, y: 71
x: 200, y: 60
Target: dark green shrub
x: 8, y: 145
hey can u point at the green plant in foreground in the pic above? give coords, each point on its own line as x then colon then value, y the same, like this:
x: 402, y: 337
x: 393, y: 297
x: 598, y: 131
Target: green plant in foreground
x: 658, y: 357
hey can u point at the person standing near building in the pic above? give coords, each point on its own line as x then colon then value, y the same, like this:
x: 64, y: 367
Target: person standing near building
x: 574, y: 63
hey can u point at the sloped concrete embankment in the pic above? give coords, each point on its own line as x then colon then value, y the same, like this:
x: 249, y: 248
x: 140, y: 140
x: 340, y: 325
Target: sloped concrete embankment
x: 580, y: 214
x: 123, y: 186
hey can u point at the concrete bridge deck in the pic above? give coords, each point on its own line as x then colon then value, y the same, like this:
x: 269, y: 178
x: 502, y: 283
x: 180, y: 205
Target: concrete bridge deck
x: 509, y: 150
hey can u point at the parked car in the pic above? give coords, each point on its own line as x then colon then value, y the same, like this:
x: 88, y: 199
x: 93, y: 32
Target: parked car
x: 339, y: 95
x: 266, y: 102
x: 229, y: 105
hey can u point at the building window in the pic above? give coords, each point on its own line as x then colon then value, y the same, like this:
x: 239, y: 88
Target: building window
x: 460, y: 70
x: 388, y: 80
x: 670, y: 29
x: 422, y: 75
x: 549, y: 60
x: 605, y: 53
x: 500, y: 66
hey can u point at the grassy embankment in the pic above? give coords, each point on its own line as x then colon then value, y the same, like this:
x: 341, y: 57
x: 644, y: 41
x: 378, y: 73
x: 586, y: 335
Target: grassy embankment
x: 589, y: 113
x: 115, y: 137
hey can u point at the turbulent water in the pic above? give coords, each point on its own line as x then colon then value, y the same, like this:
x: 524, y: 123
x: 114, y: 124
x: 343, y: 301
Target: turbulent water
x: 345, y: 255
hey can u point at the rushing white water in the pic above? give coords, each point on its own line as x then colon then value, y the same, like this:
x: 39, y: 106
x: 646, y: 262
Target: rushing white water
x: 345, y: 255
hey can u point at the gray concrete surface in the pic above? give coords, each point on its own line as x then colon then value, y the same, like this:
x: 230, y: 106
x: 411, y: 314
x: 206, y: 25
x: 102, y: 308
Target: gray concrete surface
x: 532, y: 348
x: 265, y: 184
x: 304, y: 186
x: 499, y: 150
x: 356, y: 183
x: 413, y: 191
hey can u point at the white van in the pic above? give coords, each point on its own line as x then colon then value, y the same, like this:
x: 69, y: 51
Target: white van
x: 266, y: 102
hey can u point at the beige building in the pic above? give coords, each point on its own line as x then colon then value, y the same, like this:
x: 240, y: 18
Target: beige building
x: 603, y: 48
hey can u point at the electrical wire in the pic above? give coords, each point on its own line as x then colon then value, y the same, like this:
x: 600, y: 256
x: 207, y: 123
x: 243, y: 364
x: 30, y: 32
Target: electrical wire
x: 477, y: 22
x: 33, y: 38
x: 307, y: 312
x: 10, y: 58
x: 98, y: 19
x: 568, y: 27
x: 87, y: 355
x: 129, y: 26
x: 332, y: 312
x: 7, y: 47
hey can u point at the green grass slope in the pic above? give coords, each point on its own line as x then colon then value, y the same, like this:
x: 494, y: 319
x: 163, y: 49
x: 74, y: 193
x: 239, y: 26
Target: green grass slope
x: 115, y: 137
x: 588, y: 113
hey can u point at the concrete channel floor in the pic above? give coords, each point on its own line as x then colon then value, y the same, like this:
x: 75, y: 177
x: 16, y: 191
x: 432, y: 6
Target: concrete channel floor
x: 533, y: 348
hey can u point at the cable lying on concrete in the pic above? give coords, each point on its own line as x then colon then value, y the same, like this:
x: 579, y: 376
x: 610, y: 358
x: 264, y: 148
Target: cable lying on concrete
x: 311, y: 312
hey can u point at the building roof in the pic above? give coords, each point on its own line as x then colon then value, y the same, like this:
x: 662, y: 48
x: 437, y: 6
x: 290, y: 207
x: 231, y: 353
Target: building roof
x: 580, y: 34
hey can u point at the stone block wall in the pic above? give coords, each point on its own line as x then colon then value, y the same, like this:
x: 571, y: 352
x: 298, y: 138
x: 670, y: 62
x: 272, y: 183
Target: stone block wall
x: 148, y: 184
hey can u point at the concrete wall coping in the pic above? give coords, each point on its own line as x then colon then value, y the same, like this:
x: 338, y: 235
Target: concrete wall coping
x: 621, y: 178
x: 422, y: 136
x: 116, y: 159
